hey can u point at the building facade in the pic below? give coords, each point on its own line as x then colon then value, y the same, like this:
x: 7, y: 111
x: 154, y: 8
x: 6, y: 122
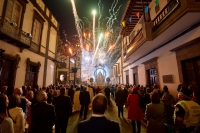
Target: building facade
x: 28, y: 42
x: 161, y: 43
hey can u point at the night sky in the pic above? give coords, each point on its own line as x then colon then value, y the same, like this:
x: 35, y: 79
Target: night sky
x: 62, y: 10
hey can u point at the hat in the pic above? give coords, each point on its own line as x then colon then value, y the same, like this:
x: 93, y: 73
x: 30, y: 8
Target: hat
x: 185, y: 91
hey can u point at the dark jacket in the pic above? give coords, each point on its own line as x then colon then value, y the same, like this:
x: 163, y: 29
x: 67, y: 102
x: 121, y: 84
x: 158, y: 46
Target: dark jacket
x: 63, y: 107
x: 84, y: 98
x: 42, y: 118
x: 98, y: 125
x: 107, y: 91
x: 71, y: 93
x: 120, y: 98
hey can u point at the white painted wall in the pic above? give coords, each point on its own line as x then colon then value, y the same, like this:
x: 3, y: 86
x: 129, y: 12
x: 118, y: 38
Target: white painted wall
x: 21, y: 71
x: 50, y: 72
x: 52, y: 41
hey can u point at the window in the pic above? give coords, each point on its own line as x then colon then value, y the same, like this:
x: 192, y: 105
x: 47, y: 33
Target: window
x: 13, y: 11
x: 37, y: 29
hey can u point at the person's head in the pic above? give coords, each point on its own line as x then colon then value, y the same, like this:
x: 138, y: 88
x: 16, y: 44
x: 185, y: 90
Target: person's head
x: 30, y: 95
x: 99, y: 104
x: 62, y: 91
x: 184, y: 93
x: 18, y: 91
x: 165, y: 89
x: 155, y: 98
x: 119, y: 88
x: 14, y: 101
x: 41, y: 96
x: 3, y: 103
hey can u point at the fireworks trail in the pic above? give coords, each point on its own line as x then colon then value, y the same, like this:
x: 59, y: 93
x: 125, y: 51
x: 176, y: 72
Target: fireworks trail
x: 108, y: 45
x: 94, y: 41
x: 77, y: 23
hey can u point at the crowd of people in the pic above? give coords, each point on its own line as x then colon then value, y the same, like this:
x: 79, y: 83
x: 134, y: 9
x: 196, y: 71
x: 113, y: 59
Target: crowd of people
x: 39, y: 110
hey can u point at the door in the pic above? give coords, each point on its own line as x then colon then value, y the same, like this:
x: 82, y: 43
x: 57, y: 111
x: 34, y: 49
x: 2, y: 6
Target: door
x: 31, y: 77
x: 135, y: 79
x: 191, y: 72
x: 127, y: 79
x: 152, y: 76
x: 7, y: 73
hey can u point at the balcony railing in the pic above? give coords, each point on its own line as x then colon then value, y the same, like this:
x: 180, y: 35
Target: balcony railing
x: 135, y: 38
x: 165, y: 12
x: 14, y: 34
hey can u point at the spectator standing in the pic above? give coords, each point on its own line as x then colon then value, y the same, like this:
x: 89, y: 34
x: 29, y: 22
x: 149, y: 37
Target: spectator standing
x: 187, y: 112
x: 71, y: 93
x: 63, y: 109
x: 98, y: 123
x: 120, y: 100
x: 42, y: 115
x: 6, y: 123
x: 154, y: 115
x: 135, y: 113
x: 16, y: 114
x: 112, y: 90
x: 84, y: 99
x: 107, y: 93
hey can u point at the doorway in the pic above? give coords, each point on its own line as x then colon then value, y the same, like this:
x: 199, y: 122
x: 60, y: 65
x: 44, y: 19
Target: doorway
x: 7, y: 73
x: 152, y: 76
x: 31, y: 78
x: 135, y: 79
x: 191, y: 72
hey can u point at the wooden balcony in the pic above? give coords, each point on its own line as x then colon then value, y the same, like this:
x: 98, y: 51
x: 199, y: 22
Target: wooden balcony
x: 171, y: 13
x: 10, y: 33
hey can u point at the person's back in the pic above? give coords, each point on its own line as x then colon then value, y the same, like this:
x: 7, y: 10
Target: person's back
x: 42, y: 115
x: 63, y: 107
x: 98, y: 123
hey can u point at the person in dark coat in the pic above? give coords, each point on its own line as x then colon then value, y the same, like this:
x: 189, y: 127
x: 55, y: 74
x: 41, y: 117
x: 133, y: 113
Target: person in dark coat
x: 63, y: 108
x: 98, y: 123
x: 42, y: 115
x: 120, y: 100
x: 107, y: 93
x: 71, y: 93
x: 84, y: 99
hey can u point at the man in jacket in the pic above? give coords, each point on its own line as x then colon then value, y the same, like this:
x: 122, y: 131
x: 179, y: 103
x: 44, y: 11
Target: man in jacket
x: 98, y: 123
x: 84, y: 99
x: 63, y: 108
x: 187, y: 112
x: 42, y: 115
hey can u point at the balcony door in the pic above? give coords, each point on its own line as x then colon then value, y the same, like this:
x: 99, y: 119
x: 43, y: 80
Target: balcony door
x: 32, y: 72
x: 6, y: 75
x: 191, y: 71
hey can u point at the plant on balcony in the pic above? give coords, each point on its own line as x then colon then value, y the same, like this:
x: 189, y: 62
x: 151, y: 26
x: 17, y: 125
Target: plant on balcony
x: 74, y: 69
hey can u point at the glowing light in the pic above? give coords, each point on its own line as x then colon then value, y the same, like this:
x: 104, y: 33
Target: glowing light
x: 94, y: 12
x: 94, y: 41
x: 70, y: 50
x: 77, y: 23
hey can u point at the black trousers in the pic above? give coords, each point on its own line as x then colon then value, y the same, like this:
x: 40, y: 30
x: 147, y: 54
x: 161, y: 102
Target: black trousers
x: 61, y: 125
x: 138, y: 126
x: 120, y: 109
x: 85, y: 109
